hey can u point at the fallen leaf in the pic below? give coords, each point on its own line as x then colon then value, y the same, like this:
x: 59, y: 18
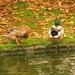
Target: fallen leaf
x: 70, y: 37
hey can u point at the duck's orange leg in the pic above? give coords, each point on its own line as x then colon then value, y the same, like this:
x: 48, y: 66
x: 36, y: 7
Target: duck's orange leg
x: 51, y: 40
x: 17, y: 42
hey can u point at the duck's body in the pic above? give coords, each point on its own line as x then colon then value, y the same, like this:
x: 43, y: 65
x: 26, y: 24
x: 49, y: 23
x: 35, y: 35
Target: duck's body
x: 17, y: 34
x: 56, y: 31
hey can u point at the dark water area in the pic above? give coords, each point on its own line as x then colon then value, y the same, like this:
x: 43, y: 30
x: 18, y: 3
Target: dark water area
x: 43, y: 64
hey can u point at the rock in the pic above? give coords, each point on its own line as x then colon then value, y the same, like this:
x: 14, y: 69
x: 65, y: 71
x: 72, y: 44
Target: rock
x: 40, y: 49
x: 72, y: 47
x: 62, y: 48
x: 51, y: 49
x: 29, y: 50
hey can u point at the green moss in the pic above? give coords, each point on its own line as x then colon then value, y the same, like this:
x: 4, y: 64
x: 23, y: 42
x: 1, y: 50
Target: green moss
x: 33, y: 41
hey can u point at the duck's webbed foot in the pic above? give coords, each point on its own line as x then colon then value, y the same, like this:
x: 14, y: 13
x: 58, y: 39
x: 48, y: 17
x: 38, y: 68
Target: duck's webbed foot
x: 17, y: 42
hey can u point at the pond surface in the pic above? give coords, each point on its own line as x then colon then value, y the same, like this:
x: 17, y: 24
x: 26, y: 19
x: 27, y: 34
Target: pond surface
x: 52, y: 64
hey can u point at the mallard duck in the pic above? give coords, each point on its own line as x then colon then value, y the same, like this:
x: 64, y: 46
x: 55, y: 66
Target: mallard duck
x: 17, y: 34
x: 56, y: 31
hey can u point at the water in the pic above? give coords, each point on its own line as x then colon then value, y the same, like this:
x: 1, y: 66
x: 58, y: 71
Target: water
x: 52, y: 64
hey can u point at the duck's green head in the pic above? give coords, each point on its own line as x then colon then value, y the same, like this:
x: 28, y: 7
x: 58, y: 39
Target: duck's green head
x: 57, y: 22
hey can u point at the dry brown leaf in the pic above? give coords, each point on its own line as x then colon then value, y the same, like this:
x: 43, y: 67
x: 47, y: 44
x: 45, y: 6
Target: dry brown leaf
x: 34, y: 34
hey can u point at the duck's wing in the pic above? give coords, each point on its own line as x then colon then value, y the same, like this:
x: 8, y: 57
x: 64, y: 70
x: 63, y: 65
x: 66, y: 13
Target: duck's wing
x: 61, y: 32
x: 5, y: 36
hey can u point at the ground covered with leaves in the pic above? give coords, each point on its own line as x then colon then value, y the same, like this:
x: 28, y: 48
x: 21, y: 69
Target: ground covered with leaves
x: 39, y: 16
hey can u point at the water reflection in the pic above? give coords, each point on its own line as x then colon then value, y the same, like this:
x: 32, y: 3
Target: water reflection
x: 53, y: 64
